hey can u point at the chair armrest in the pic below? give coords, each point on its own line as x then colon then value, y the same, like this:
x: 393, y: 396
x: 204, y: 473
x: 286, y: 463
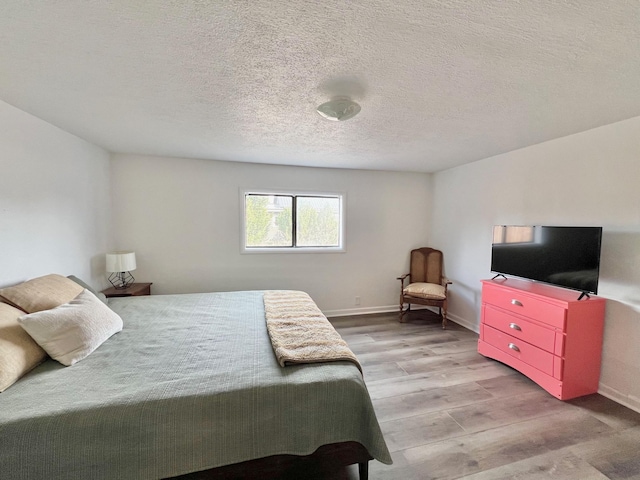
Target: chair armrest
x: 445, y: 283
x: 401, y: 278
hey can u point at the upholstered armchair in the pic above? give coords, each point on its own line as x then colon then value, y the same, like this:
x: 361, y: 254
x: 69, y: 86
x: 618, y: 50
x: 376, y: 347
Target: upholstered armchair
x: 427, y: 285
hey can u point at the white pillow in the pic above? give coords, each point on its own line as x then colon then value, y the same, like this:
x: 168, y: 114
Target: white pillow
x: 72, y: 331
x: 431, y: 291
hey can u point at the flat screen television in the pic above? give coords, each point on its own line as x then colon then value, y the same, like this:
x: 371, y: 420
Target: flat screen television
x: 564, y: 256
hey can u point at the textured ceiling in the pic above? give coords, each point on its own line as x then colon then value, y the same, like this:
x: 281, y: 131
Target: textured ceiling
x: 441, y: 83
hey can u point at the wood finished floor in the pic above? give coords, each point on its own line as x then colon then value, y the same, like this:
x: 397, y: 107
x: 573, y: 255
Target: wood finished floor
x: 448, y: 412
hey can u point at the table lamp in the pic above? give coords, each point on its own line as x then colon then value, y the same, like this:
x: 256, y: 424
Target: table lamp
x: 119, y: 267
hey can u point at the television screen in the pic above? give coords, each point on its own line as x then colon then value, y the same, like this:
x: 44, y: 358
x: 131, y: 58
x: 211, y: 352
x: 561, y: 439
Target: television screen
x: 564, y: 256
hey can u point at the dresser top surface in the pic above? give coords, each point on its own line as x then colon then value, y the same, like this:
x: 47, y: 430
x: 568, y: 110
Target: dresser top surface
x: 542, y: 289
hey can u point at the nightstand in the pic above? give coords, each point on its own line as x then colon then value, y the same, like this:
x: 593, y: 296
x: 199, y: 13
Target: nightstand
x: 133, y: 290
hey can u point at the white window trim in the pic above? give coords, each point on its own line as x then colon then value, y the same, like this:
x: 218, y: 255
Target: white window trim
x: 261, y: 191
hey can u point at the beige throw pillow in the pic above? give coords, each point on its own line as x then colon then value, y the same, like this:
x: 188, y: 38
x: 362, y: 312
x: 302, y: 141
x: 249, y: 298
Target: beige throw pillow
x: 431, y: 291
x: 72, y: 331
x: 18, y: 352
x: 41, y: 293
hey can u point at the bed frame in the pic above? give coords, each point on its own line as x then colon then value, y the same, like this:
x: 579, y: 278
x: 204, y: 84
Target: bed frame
x: 326, y: 462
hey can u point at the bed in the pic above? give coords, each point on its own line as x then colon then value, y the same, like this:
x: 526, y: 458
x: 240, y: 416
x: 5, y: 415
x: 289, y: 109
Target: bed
x: 190, y: 384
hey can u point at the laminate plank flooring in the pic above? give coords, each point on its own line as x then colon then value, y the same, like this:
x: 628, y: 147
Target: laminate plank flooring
x: 449, y: 413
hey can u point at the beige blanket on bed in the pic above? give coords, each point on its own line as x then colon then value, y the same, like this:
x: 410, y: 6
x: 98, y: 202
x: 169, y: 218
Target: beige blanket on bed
x: 300, y: 333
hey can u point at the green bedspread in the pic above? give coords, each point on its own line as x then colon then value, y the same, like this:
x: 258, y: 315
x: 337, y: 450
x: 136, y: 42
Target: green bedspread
x: 191, y: 383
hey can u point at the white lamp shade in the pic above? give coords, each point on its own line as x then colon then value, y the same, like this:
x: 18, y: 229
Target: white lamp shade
x: 121, y: 261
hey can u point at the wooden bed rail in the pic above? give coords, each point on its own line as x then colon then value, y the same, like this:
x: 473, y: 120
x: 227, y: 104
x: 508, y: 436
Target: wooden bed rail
x: 323, y: 464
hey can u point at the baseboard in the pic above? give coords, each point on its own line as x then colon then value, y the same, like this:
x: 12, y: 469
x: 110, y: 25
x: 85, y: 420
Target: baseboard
x: 367, y: 310
x: 627, y: 400
x: 463, y: 322
x: 361, y: 311
x: 394, y: 308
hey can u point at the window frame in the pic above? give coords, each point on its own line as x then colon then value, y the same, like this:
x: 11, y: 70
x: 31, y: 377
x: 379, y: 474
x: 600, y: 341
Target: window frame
x: 341, y: 196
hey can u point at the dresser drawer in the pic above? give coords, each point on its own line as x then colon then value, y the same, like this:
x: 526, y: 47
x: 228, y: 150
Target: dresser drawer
x: 541, y: 336
x: 522, y: 304
x: 523, y: 351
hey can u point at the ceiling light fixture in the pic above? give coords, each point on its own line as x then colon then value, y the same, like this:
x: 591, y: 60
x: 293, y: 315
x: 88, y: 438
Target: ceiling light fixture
x: 339, y: 109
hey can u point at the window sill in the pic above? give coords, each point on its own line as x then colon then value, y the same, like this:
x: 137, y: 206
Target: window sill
x: 294, y: 250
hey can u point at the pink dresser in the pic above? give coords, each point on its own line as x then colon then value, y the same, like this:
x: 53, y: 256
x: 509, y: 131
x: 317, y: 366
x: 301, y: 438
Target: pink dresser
x: 544, y: 332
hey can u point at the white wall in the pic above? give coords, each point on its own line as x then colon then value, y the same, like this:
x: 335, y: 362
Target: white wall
x: 54, y: 201
x: 591, y: 178
x: 182, y: 217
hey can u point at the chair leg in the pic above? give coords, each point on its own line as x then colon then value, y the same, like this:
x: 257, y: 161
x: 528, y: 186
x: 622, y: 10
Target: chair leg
x: 443, y: 312
x: 402, y: 312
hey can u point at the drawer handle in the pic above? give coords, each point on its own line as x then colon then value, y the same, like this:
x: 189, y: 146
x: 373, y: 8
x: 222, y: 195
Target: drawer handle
x: 516, y: 302
x: 514, y: 347
x: 515, y: 326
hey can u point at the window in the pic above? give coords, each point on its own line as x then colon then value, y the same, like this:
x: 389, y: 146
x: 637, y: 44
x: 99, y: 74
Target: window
x: 292, y: 222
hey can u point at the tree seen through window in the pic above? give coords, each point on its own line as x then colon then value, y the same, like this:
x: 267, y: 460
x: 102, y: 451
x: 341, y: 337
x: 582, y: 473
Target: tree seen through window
x: 270, y: 221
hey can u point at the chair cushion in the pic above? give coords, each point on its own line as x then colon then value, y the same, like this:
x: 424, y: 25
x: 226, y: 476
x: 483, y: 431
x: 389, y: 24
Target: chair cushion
x: 431, y: 291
